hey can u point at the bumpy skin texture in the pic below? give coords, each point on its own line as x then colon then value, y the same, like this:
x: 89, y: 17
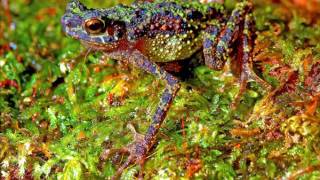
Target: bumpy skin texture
x: 163, y: 31
x: 148, y: 32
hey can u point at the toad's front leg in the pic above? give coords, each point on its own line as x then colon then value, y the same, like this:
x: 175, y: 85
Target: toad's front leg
x: 139, y: 149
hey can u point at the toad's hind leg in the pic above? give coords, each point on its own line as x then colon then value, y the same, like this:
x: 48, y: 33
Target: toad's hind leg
x: 245, y: 58
x: 237, y: 29
x: 218, y: 40
x: 139, y: 149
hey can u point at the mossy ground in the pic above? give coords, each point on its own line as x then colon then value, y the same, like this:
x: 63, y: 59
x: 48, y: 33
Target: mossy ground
x: 59, y: 109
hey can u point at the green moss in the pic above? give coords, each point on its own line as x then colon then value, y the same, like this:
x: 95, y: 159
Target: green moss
x: 60, y: 110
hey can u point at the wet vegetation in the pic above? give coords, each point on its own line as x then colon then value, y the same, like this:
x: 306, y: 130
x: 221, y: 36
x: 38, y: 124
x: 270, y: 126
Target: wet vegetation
x: 60, y: 107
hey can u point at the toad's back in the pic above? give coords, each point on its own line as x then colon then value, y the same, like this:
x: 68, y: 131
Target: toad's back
x: 166, y: 31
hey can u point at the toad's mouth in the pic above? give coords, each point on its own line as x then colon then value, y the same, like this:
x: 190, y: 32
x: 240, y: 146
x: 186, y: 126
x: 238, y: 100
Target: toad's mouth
x: 94, y: 45
x: 98, y: 46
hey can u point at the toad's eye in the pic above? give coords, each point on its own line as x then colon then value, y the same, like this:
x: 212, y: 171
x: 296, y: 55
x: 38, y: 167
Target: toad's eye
x: 94, y: 26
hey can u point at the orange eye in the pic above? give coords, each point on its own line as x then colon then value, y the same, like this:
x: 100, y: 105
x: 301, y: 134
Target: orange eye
x: 94, y: 26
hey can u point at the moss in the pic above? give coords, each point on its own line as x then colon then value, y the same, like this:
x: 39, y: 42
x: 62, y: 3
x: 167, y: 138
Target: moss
x: 59, y: 110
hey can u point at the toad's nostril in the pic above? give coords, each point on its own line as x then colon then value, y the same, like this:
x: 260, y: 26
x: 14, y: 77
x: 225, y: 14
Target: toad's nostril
x: 68, y: 24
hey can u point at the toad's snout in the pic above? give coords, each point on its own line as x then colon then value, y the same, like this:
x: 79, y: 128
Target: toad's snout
x: 70, y: 23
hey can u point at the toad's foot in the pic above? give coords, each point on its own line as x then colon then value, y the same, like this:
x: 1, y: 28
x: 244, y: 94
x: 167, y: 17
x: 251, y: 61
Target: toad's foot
x: 137, y: 152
